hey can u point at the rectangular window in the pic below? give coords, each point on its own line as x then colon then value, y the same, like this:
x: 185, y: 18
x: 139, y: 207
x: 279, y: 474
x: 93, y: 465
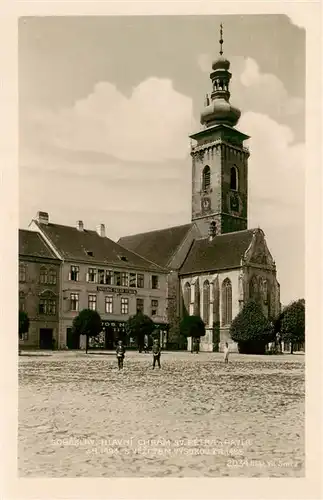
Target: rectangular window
x: 42, y: 306
x: 52, y: 277
x: 109, y: 277
x: 101, y: 276
x: 109, y: 304
x: 92, y: 275
x: 124, y: 305
x: 22, y: 273
x: 132, y: 280
x: 140, y: 305
x: 74, y: 273
x: 74, y: 302
x: 154, y: 282
x: 47, y: 306
x: 43, y: 278
x: 140, y: 280
x: 51, y: 306
x: 124, y: 279
x: 117, y: 278
x: 92, y: 302
x: 154, y: 307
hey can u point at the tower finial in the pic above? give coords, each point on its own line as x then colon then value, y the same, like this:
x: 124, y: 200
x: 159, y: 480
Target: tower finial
x: 221, y: 39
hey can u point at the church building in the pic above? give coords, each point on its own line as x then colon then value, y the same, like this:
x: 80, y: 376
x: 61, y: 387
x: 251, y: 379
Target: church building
x: 216, y: 264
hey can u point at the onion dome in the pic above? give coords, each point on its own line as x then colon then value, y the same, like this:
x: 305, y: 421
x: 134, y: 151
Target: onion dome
x: 220, y: 111
x: 221, y: 63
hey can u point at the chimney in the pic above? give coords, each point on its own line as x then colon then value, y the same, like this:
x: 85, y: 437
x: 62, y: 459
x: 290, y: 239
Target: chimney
x: 100, y: 229
x: 80, y: 225
x: 212, y: 230
x: 42, y: 217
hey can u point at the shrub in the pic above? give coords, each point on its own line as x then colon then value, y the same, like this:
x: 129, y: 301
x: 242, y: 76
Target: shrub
x: 87, y: 323
x: 251, y: 329
x: 138, y: 326
x: 192, y: 326
x: 293, y: 323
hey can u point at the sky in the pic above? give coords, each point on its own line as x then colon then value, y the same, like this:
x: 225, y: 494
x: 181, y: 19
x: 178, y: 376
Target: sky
x: 107, y: 104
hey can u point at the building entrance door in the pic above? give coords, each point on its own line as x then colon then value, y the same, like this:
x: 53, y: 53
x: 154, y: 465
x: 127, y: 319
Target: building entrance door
x: 45, y: 338
x: 72, y: 340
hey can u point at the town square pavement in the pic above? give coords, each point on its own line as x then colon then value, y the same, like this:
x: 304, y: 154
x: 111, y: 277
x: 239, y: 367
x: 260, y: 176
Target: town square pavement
x: 80, y: 417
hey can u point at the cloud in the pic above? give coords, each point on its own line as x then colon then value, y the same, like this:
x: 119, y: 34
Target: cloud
x: 150, y: 125
x: 256, y: 91
x: 268, y: 92
x: 277, y: 196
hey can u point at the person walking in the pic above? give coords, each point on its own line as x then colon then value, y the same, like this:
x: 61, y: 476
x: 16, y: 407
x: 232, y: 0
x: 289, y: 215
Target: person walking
x: 226, y: 353
x: 120, y: 354
x: 156, y: 353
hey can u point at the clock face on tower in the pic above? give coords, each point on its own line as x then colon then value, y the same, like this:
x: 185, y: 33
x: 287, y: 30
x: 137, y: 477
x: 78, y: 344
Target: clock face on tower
x: 206, y: 204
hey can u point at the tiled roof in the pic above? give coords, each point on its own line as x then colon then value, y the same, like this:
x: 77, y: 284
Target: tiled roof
x: 88, y: 246
x: 157, y: 246
x: 223, y: 252
x: 32, y: 244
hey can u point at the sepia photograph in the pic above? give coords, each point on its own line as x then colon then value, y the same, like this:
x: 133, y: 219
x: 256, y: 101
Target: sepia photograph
x: 161, y: 246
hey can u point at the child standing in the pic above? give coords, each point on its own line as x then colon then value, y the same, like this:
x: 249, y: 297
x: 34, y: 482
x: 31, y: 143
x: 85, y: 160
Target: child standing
x: 120, y: 354
x: 156, y: 353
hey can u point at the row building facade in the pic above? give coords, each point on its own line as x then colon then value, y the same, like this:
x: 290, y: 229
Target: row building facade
x: 97, y: 273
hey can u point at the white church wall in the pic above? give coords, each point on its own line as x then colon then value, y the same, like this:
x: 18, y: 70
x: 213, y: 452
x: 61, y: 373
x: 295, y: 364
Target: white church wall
x: 196, y: 281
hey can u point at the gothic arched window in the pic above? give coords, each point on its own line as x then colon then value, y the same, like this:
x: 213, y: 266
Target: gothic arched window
x: 206, y: 302
x: 253, y: 288
x: 187, y: 297
x: 196, y: 298
x: 265, y: 291
x: 226, y: 302
x: 206, y: 178
x: 234, y: 178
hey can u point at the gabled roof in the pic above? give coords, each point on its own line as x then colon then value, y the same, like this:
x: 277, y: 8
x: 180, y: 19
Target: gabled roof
x: 32, y: 244
x: 223, y: 252
x: 157, y: 246
x: 88, y: 246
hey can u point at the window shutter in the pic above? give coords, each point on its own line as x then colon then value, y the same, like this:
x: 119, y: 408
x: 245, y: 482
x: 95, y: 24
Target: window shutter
x: 87, y: 277
x: 69, y: 276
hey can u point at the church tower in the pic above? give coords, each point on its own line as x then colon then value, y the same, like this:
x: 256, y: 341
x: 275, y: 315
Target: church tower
x: 219, y: 160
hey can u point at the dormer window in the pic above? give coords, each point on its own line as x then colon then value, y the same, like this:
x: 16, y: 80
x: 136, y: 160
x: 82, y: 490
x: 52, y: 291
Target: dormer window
x: 123, y: 258
x: 89, y: 253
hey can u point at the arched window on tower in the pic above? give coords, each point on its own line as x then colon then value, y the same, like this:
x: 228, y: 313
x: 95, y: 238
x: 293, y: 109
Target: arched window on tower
x: 206, y: 178
x: 226, y: 302
x: 206, y: 302
x: 187, y: 297
x: 234, y: 178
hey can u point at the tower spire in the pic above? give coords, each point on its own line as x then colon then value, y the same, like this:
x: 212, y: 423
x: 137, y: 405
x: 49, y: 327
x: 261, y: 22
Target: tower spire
x: 221, y: 39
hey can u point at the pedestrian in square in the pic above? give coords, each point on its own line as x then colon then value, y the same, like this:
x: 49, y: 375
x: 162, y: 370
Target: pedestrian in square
x: 120, y: 354
x: 156, y: 353
x: 226, y: 353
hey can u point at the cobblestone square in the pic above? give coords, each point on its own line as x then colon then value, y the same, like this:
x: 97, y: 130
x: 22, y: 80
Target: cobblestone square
x: 80, y: 417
